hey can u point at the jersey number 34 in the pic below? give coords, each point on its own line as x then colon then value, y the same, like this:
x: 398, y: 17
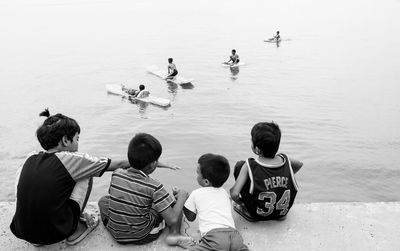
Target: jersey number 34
x: 271, y: 204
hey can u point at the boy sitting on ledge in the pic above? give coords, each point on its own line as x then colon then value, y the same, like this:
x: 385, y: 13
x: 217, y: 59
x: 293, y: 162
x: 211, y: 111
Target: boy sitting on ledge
x: 137, y: 205
x: 213, y: 206
x: 265, y: 187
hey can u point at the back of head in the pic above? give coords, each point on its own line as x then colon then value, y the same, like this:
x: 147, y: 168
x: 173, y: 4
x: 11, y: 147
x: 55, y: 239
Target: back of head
x: 277, y: 32
x: 233, y: 51
x: 215, y: 168
x: 170, y: 60
x: 266, y: 136
x: 141, y: 87
x: 54, y: 128
x: 143, y: 150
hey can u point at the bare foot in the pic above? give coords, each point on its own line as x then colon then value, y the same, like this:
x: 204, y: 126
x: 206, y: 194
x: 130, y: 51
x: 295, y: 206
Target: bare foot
x: 80, y: 229
x: 180, y: 240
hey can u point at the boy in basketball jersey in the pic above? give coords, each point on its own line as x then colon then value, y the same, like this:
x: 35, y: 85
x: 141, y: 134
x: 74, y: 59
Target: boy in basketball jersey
x: 265, y: 186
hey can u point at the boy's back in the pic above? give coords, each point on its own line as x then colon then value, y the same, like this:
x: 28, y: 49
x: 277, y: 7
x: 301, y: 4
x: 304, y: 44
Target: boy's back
x: 271, y: 189
x: 132, y: 195
x: 213, y: 207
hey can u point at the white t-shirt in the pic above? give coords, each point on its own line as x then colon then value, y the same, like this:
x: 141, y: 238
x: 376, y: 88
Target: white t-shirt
x: 213, y: 207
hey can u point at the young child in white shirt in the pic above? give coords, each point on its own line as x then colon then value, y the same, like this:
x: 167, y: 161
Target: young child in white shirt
x: 213, y: 205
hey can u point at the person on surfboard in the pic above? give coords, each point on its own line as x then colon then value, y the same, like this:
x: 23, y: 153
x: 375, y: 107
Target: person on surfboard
x: 234, y: 58
x: 133, y: 93
x: 172, y: 71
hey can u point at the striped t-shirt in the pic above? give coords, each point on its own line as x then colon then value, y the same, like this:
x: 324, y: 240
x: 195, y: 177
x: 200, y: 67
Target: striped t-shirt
x: 132, y: 195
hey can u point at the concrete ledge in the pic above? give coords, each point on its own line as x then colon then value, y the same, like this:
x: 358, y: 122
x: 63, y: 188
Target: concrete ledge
x: 316, y: 226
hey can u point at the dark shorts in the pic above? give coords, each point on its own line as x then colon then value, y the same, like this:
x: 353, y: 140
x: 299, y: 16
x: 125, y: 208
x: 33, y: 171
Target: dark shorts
x: 221, y: 239
x: 173, y: 74
x: 104, y: 203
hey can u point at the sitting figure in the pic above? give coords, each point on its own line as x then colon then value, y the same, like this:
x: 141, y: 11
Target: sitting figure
x: 265, y: 187
x: 133, y: 93
x: 172, y: 71
x: 138, y: 207
x: 212, y: 205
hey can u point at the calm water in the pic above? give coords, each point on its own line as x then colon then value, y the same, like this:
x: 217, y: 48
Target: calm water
x: 332, y: 86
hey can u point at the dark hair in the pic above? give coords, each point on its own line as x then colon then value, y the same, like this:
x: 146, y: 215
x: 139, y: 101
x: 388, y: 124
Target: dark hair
x: 266, y: 136
x: 277, y: 32
x: 215, y: 168
x: 142, y: 150
x: 234, y: 50
x: 141, y: 87
x: 170, y: 60
x: 54, y: 128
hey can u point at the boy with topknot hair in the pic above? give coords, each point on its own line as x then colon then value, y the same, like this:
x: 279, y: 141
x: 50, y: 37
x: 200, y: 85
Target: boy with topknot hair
x: 265, y: 187
x: 53, y: 186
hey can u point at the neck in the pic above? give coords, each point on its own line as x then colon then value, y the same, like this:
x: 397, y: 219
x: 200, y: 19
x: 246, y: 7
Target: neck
x: 56, y: 149
x: 275, y: 160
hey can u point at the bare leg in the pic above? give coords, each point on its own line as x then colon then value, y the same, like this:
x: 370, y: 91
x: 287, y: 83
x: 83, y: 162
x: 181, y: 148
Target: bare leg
x: 175, y: 237
x: 81, y: 194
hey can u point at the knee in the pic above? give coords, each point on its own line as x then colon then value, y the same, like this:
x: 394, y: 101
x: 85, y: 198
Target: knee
x: 103, y: 202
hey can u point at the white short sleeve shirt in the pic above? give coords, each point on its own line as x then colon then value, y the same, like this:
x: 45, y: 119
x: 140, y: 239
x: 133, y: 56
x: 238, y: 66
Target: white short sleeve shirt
x: 213, y: 208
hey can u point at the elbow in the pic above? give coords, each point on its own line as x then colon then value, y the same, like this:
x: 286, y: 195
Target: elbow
x: 234, y: 195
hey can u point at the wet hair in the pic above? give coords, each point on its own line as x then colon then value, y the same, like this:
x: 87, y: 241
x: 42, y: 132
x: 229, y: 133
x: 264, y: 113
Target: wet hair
x: 141, y: 87
x: 234, y: 50
x: 170, y: 60
x: 54, y: 128
x: 266, y: 136
x: 143, y: 150
x: 215, y: 168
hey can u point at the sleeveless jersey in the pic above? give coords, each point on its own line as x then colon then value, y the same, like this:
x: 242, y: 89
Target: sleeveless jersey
x: 273, y: 189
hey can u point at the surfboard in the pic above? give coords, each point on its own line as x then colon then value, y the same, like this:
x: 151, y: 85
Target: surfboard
x: 155, y: 70
x: 117, y: 90
x: 234, y: 65
x: 273, y: 41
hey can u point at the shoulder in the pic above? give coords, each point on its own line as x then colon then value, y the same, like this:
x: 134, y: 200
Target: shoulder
x: 66, y: 155
x: 154, y: 183
x: 198, y: 191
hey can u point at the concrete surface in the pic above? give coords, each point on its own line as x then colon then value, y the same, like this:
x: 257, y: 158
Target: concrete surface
x: 315, y: 226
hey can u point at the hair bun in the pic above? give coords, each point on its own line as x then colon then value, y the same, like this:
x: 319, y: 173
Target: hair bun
x: 45, y: 113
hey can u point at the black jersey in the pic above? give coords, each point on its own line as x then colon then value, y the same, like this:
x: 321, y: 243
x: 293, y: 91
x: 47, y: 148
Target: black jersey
x: 273, y: 190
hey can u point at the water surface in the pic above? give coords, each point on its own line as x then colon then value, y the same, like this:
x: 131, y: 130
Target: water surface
x: 332, y: 85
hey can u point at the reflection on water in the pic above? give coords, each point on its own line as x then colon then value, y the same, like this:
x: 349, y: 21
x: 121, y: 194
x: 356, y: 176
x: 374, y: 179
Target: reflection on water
x: 234, y: 72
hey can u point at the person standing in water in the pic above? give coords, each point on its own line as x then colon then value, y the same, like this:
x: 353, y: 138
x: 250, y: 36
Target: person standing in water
x: 234, y: 58
x: 276, y: 38
x: 172, y: 71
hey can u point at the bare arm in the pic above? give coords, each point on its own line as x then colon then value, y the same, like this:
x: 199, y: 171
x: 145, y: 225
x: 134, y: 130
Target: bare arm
x: 166, y: 165
x: 115, y: 164
x: 296, y: 165
x: 240, y: 181
x: 171, y: 214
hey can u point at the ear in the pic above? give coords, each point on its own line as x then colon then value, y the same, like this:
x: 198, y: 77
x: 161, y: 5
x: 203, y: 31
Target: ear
x: 206, y: 182
x: 257, y: 150
x: 65, y: 141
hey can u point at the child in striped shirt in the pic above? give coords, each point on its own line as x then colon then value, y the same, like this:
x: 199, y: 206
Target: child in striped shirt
x: 137, y: 205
